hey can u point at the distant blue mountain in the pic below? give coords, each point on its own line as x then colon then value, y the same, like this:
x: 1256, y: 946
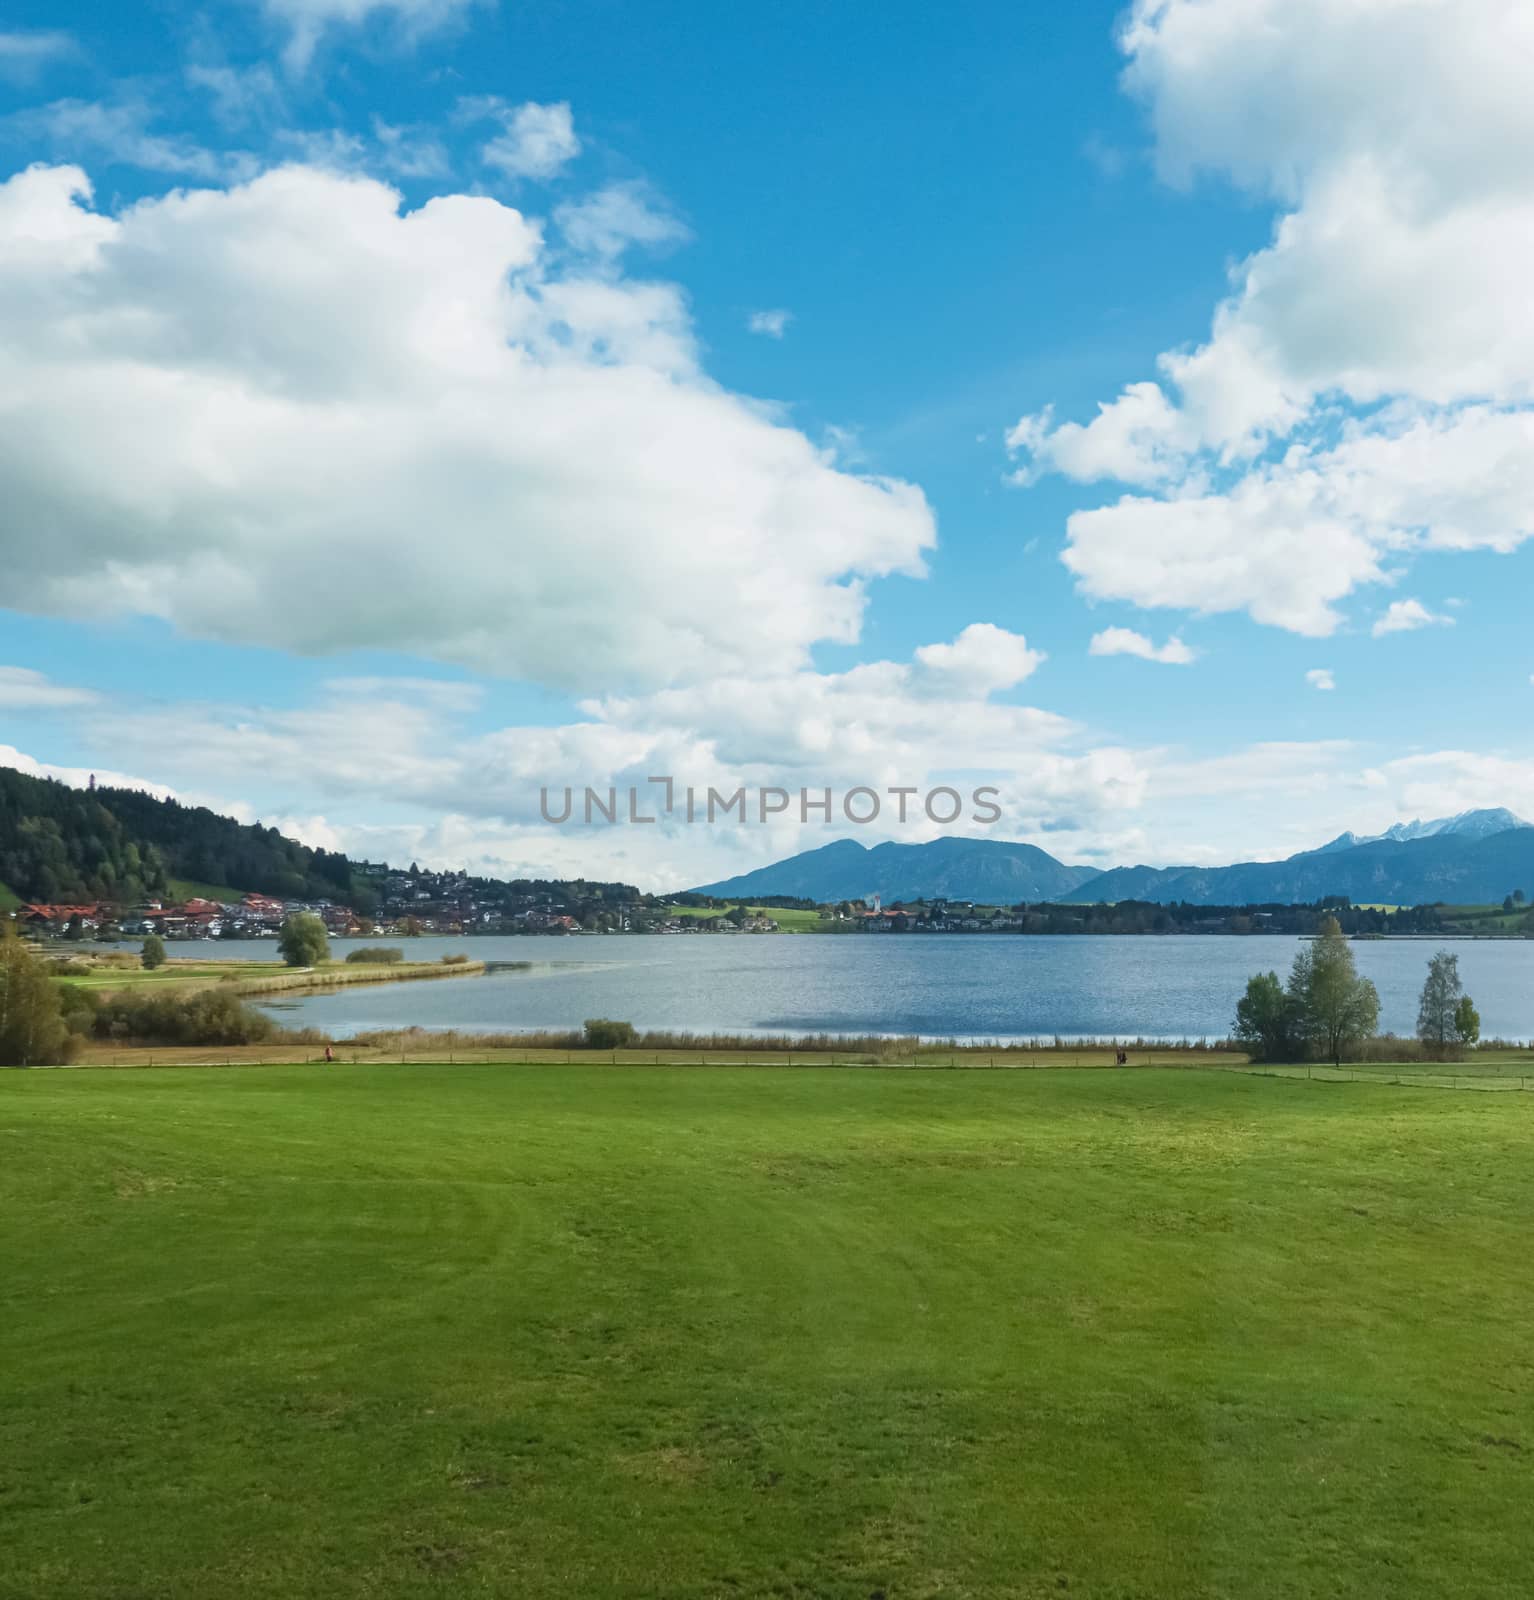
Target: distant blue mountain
x: 1477, y: 857
x: 988, y: 870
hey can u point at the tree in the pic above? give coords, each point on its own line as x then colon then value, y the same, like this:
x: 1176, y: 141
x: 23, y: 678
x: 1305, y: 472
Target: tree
x: 153, y: 953
x: 602, y: 1033
x: 32, y: 1027
x: 303, y: 941
x: 1264, y: 1018
x: 1437, y: 1009
x: 1467, y: 1022
x: 1332, y: 1005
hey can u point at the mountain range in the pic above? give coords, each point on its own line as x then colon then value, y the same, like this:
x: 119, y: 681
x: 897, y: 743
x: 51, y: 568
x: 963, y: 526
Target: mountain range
x: 1474, y: 858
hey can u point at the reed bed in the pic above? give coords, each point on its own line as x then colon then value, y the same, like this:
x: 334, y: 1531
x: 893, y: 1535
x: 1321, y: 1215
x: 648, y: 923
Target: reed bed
x: 340, y: 977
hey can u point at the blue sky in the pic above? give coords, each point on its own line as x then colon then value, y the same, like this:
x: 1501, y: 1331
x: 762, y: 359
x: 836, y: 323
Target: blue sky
x: 809, y: 318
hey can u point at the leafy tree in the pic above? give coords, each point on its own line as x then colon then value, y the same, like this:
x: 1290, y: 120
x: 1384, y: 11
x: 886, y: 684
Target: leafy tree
x: 303, y: 941
x: 1439, y: 1006
x: 156, y: 1016
x: 32, y: 1027
x: 1264, y: 1018
x: 1332, y: 1005
x: 1467, y: 1022
x: 604, y: 1034
x: 153, y: 953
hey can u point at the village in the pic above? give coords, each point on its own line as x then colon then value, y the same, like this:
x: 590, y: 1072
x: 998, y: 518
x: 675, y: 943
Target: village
x: 391, y: 904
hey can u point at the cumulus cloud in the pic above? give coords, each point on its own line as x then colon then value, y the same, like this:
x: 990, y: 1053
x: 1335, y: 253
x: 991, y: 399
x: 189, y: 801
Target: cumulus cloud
x: 771, y: 324
x: 983, y: 659
x: 1321, y: 678
x: 1391, y: 133
x: 1126, y: 642
x: 917, y: 722
x: 535, y: 141
x: 1405, y: 616
x: 418, y: 434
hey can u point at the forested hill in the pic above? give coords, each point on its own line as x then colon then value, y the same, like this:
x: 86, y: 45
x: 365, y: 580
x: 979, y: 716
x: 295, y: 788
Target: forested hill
x: 60, y: 844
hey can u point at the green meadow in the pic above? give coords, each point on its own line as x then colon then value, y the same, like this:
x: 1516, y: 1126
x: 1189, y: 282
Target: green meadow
x: 548, y: 1331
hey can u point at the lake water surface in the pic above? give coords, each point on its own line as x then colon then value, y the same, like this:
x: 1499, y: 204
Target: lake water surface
x: 939, y: 986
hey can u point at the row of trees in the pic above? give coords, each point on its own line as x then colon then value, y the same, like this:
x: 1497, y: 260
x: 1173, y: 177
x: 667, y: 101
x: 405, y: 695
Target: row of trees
x: 44, y: 1023
x: 59, y: 843
x: 1326, y: 1007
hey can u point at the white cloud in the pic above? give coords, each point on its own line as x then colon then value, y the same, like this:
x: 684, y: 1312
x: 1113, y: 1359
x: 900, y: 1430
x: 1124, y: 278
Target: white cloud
x: 409, y: 151
x: 240, y: 96
x: 983, y: 659
x: 535, y: 141
x: 1140, y: 438
x: 22, y: 689
x: 1394, y: 288
x: 1405, y: 616
x: 1442, y: 783
x: 402, y: 745
x: 771, y: 324
x: 307, y: 21
x: 418, y: 435
x: 1293, y: 537
x: 1126, y: 642
x: 390, y: 768
x: 119, y: 131
x: 444, y: 693
x: 24, y: 55
x: 78, y: 777
x: 606, y: 223
x: 1321, y: 678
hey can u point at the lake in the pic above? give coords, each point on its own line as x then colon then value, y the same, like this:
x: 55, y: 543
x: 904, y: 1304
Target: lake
x: 939, y: 986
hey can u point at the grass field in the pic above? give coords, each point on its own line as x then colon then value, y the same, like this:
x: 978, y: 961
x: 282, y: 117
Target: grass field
x: 191, y: 889
x: 488, y: 1331
x: 258, y: 978
x: 9, y: 899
